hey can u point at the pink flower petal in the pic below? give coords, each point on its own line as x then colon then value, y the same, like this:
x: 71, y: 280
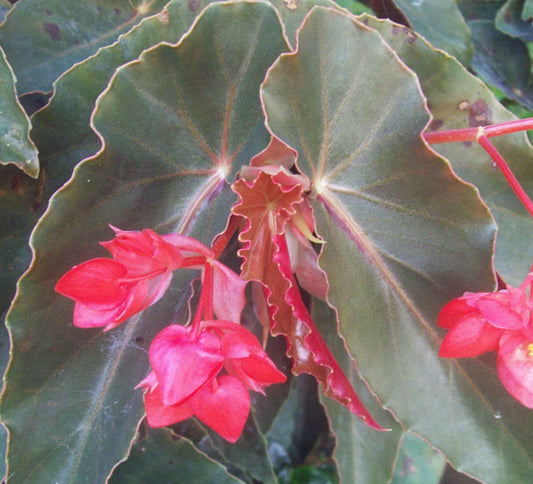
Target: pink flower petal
x: 224, y: 406
x: 184, y: 364
x: 143, y: 252
x: 87, y: 317
x: 95, y: 282
x: 454, y: 311
x: 160, y: 415
x: 515, y: 367
x: 497, y: 310
x: 187, y: 245
x: 228, y: 290
x: 470, y: 337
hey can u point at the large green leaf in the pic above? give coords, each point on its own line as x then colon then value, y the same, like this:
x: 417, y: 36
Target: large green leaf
x: 403, y: 235
x: 459, y: 100
x: 173, y: 125
x: 43, y: 38
x: 161, y: 456
x: 502, y: 61
x: 15, y: 144
x: 441, y: 22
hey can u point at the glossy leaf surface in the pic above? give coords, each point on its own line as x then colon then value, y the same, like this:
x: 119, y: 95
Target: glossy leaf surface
x: 131, y: 184
x: 388, y: 300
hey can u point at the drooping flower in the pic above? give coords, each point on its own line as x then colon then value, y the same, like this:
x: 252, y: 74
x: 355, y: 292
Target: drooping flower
x: 501, y: 321
x: 186, y: 380
x: 109, y: 291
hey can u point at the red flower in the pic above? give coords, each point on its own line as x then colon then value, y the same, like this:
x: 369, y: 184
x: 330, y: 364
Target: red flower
x: 109, y: 291
x: 500, y: 321
x: 185, y: 380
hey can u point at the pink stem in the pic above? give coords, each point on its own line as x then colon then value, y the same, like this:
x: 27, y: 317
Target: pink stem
x: 483, y: 140
x: 471, y: 134
x: 205, y: 304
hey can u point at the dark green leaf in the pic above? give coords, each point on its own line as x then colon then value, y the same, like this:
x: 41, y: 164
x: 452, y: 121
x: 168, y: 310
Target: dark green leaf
x: 418, y: 462
x: 362, y: 454
x: 15, y: 144
x: 509, y: 21
x: 440, y: 22
x: 502, y: 61
x: 479, y: 9
x: 62, y: 130
x: 163, y: 457
x: 59, y: 33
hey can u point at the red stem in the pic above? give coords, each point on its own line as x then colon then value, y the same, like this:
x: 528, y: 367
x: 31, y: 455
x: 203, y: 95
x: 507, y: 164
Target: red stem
x: 204, y: 311
x: 507, y: 173
x: 481, y: 134
x: 471, y: 134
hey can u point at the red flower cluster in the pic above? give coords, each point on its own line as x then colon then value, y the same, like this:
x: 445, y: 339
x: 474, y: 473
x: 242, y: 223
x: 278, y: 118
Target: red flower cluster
x: 501, y: 321
x: 185, y: 380
x: 109, y: 291
x: 186, y: 361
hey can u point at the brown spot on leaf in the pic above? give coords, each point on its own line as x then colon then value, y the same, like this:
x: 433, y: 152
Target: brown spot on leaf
x: 193, y: 5
x: 52, y: 30
x: 436, y: 124
x: 396, y: 29
x: 48, y: 12
x: 411, y: 36
x: 117, y: 11
x: 479, y: 114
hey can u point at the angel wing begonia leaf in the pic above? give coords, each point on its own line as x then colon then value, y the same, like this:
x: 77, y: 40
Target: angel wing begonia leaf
x: 171, y: 184
x: 408, y: 246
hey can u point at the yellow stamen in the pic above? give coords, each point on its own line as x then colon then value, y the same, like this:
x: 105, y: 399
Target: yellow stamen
x: 530, y: 349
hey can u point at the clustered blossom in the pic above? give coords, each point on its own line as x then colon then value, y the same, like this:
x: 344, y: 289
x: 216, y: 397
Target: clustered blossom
x: 501, y: 321
x: 186, y: 378
x: 200, y: 370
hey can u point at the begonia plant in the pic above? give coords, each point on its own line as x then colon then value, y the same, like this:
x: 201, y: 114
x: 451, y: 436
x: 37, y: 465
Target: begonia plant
x: 256, y: 241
